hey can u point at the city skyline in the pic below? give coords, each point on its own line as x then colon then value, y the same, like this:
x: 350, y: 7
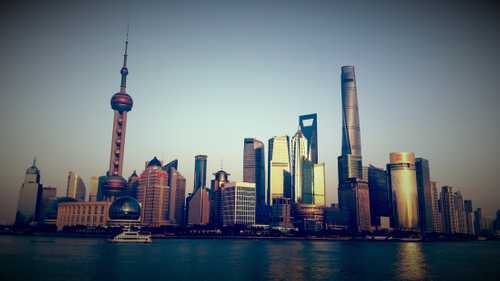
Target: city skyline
x: 175, y: 142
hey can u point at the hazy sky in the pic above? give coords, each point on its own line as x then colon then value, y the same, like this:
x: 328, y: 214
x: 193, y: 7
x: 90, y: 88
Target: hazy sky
x: 206, y: 74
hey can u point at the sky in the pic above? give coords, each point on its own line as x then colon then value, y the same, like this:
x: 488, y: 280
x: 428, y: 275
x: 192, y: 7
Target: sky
x: 206, y: 74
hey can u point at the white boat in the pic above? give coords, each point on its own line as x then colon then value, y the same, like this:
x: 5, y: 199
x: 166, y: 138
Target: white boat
x: 131, y: 236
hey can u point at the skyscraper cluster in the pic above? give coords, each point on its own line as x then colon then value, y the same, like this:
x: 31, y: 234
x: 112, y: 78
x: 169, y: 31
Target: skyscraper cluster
x: 400, y: 196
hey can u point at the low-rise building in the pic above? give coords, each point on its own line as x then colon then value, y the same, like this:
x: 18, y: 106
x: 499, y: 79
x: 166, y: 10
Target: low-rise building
x: 89, y: 214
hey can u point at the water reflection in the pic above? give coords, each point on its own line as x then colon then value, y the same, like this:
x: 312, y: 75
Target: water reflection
x: 411, y: 262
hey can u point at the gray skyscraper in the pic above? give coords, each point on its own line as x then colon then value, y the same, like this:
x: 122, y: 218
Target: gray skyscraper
x: 30, y: 195
x: 200, y: 172
x: 469, y: 227
x: 436, y: 215
x: 75, y: 187
x: 424, y: 194
x: 353, y: 189
x: 458, y: 200
x: 254, y: 172
x: 299, y: 153
x: 380, y: 194
x: 309, y: 127
x: 448, y: 213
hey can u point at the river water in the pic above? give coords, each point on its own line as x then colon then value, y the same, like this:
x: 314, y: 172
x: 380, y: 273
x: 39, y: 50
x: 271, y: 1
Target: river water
x: 68, y: 259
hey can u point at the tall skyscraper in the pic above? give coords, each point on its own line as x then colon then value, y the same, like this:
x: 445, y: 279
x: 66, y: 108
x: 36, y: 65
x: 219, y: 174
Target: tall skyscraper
x: 254, y: 163
x: 221, y: 178
x: 319, y: 185
x: 93, y: 187
x: 458, y: 200
x: 307, y: 182
x: 49, y: 194
x: 448, y: 213
x: 469, y: 226
x: 380, y: 195
x: 299, y: 153
x: 133, y: 185
x: 424, y: 194
x: 180, y: 196
x: 75, y: 187
x: 154, y: 195
x: 121, y: 103
x: 353, y: 189
x: 403, y: 182
x: 200, y: 172
x: 238, y: 203
x: 30, y: 195
x: 309, y: 127
x: 278, y: 168
x: 478, y: 221
x: 436, y: 215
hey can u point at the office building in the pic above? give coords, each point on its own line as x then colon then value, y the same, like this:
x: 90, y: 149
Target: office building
x: 254, y: 163
x: 448, y: 212
x: 380, y: 195
x: 198, y: 211
x: 403, y: 183
x: 80, y: 213
x: 469, y: 226
x: 221, y: 178
x: 75, y: 187
x: 424, y: 194
x: 49, y: 194
x: 478, y: 221
x: 458, y: 200
x: 278, y: 179
x: 436, y: 214
x: 308, y: 125
x: 121, y: 103
x: 354, y: 199
x: 200, y: 171
x: 281, y: 213
x: 238, y: 204
x: 299, y: 153
x: 308, y: 217
x: 30, y: 196
x: 336, y: 218
x: 93, y: 188
x: 179, y: 184
x: 154, y: 195
x: 124, y: 211
x: 132, y: 185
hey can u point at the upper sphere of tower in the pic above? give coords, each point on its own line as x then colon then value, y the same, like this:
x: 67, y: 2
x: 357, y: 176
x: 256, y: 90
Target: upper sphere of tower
x: 122, y: 102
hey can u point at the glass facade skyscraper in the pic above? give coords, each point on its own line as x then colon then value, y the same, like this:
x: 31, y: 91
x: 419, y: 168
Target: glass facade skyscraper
x: 200, y: 171
x: 309, y: 127
x: 424, y: 194
x: 254, y: 172
x: 299, y: 153
x: 278, y: 168
x: 380, y: 194
x: 30, y: 196
x: 403, y: 182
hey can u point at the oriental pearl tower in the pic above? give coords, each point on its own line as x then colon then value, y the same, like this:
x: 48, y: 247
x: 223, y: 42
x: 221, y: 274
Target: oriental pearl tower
x: 121, y: 103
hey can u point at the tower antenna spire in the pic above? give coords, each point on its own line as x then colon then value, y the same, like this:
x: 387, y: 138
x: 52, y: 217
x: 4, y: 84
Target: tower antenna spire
x: 124, y: 70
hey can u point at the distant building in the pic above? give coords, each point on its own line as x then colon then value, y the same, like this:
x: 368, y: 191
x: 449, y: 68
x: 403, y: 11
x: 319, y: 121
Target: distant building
x: 448, y: 212
x: 88, y: 214
x: 254, y: 162
x: 30, y: 196
x: 238, y: 203
x: 278, y: 168
x: 319, y: 185
x: 179, y: 184
x: 199, y: 207
x: 424, y: 194
x: 469, y: 226
x: 458, y: 200
x: 49, y: 194
x: 221, y: 178
x: 403, y: 182
x: 100, y: 188
x: 93, y: 188
x: 200, y: 171
x: 154, y: 195
x: 299, y: 153
x: 436, y: 215
x: 75, y: 187
x: 308, y: 217
x: 308, y: 125
x: 132, y: 185
x: 478, y: 221
x: 354, y: 198
x: 281, y: 213
x: 380, y: 195
x: 336, y: 218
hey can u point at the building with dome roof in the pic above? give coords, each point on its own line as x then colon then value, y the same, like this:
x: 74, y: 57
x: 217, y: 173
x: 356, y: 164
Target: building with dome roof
x: 154, y: 195
x: 30, y: 195
x: 125, y: 210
